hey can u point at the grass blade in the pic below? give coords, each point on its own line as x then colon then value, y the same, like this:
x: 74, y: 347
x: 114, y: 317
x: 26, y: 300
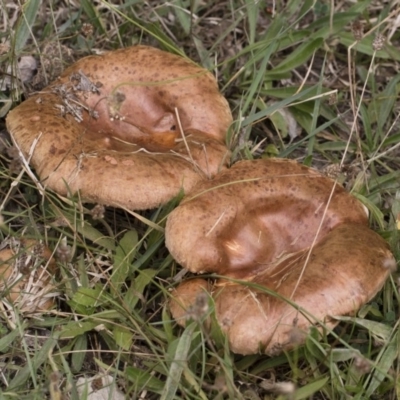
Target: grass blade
x: 25, y: 23
x: 178, y: 364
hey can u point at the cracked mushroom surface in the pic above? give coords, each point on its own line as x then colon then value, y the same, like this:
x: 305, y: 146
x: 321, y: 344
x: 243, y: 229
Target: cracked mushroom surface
x: 292, y: 246
x: 130, y: 128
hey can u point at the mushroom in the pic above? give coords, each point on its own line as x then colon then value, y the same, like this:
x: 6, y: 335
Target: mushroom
x: 190, y: 300
x: 131, y: 128
x: 26, y: 271
x: 291, y: 249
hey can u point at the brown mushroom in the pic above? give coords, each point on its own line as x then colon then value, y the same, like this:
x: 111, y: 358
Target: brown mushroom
x: 127, y: 128
x: 26, y: 272
x: 190, y: 300
x: 298, y: 242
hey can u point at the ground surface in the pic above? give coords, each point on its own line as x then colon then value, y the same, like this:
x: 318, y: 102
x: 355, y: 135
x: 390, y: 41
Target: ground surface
x: 315, y: 81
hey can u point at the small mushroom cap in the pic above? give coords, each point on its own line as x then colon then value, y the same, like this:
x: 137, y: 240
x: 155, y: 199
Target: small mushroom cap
x: 300, y: 243
x: 26, y: 271
x: 185, y: 298
x: 128, y: 128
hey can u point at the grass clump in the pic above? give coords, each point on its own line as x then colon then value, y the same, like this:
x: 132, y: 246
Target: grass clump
x: 313, y: 81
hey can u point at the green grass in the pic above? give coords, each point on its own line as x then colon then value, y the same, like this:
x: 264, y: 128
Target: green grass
x: 300, y: 58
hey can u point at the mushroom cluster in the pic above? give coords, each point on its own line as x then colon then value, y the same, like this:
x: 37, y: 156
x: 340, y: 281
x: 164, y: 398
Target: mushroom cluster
x: 134, y: 127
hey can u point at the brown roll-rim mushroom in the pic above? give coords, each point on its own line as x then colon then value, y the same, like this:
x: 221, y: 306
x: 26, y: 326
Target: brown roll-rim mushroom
x: 277, y: 227
x: 131, y: 128
x: 27, y: 269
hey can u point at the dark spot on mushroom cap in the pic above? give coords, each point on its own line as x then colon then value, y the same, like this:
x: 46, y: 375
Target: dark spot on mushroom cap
x: 53, y: 149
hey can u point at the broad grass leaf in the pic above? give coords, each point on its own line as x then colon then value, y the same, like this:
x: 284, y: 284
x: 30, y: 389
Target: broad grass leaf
x: 5, y: 108
x: 84, y: 228
x: 306, y: 7
x: 124, y: 255
x: 147, y: 256
x: 203, y: 53
x: 339, y: 355
x: 40, y: 357
x: 297, y: 58
x: 79, y: 351
x: 307, y: 391
x: 382, y: 104
x: 194, y: 383
x: 95, y: 236
x: 252, y: 11
x: 216, y: 333
x: 7, y: 340
x: 378, y: 330
x: 167, y: 325
x: 123, y: 337
x: 274, y: 32
x: 371, y: 309
x: 274, y: 362
x: 178, y: 364
x: 370, y: 136
x: 75, y: 328
x: 387, y: 181
x: 25, y: 24
x: 313, y: 345
x: 138, y: 285
x: 258, y: 79
x: 305, y: 106
x: 256, y: 52
x: 392, y: 140
x: 184, y: 17
x: 383, y: 364
x: 153, y: 29
x: 84, y: 280
x: 365, y: 46
x: 127, y: 245
x: 251, y: 119
x: 143, y: 380
x: 340, y: 19
x: 375, y: 213
x: 88, y: 297
x: 304, y: 119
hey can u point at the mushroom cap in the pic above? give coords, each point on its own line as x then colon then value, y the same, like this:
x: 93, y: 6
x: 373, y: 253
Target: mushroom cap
x: 254, y: 213
x: 26, y: 271
x: 299, y: 242
x: 187, y: 301
x: 131, y: 128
